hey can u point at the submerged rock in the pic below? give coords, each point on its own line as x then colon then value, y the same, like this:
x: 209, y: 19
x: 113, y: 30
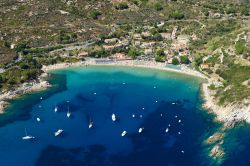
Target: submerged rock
x: 217, y: 152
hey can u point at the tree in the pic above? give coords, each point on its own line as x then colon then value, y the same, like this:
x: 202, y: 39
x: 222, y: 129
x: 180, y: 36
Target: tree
x: 175, y: 61
x: 244, y: 10
x: 158, y: 6
x: 160, y: 52
x: 95, y: 14
x: 239, y: 47
x: 122, y: 6
x: 1, y: 79
x: 159, y: 59
x: 133, y: 53
x: 177, y: 15
x: 184, y: 59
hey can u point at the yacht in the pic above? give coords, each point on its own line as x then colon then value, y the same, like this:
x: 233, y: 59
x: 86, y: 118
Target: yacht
x: 124, y: 133
x: 113, y: 117
x: 140, y: 130
x: 167, y: 129
x: 133, y: 115
x: 27, y: 137
x: 58, y: 132
x: 38, y: 119
x: 179, y: 121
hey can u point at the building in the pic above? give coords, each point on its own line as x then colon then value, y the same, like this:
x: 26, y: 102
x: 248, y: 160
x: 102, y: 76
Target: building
x: 120, y: 57
x: 112, y: 40
x: 83, y: 53
x: 204, y: 66
x: 148, y: 51
x: 137, y: 36
x: 108, y: 48
x: 166, y: 35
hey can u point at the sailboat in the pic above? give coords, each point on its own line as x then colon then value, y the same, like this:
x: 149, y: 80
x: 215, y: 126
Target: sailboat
x: 90, y: 124
x: 113, y: 117
x: 58, y: 132
x: 68, y: 113
x: 56, y: 108
x: 27, y: 137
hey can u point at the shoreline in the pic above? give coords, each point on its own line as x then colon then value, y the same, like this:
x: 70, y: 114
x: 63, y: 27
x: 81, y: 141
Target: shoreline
x: 128, y: 63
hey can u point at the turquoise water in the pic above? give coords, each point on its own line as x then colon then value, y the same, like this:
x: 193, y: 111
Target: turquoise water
x: 157, y: 100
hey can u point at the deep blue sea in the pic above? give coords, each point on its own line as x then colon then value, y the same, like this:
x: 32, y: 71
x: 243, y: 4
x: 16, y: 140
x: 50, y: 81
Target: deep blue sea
x: 158, y: 100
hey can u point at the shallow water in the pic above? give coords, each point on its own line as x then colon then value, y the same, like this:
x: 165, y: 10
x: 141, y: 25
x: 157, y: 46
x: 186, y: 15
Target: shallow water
x: 159, y: 100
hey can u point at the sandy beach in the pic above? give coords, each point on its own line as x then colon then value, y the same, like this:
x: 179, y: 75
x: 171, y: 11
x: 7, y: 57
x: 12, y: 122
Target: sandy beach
x: 130, y: 63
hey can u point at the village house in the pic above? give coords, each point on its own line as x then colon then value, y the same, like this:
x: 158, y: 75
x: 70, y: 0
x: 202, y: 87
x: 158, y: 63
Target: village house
x: 12, y: 46
x: 137, y: 36
x: 173, y: 35
x: 148, y: 51
x: 137, y: 43
x: 147, y: 44
x: 146, y: 34
x: 108, y: 47
x: 120, y: 57
x: 204, y: 66
x: 166, y: 35
x: 112, y: 40
x: 124, y: 42
x: 83, y: 53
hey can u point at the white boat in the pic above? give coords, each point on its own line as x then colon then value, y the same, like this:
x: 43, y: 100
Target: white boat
x: 90, y: 124
x: 56, y: 109
x: 133, y: 115
x: 58, y: 132
x: 167, y: 129
x: 38, y: 119
x: 140, y: 116
x: 68, y: 113
x: 140, y: 130
x: 179, y: 121
x: 27, y: 137
x: 182, y: 151
x: 41, y: 98
x: 113, y: 117
x: 179, y: 133
x: 124, y: 133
